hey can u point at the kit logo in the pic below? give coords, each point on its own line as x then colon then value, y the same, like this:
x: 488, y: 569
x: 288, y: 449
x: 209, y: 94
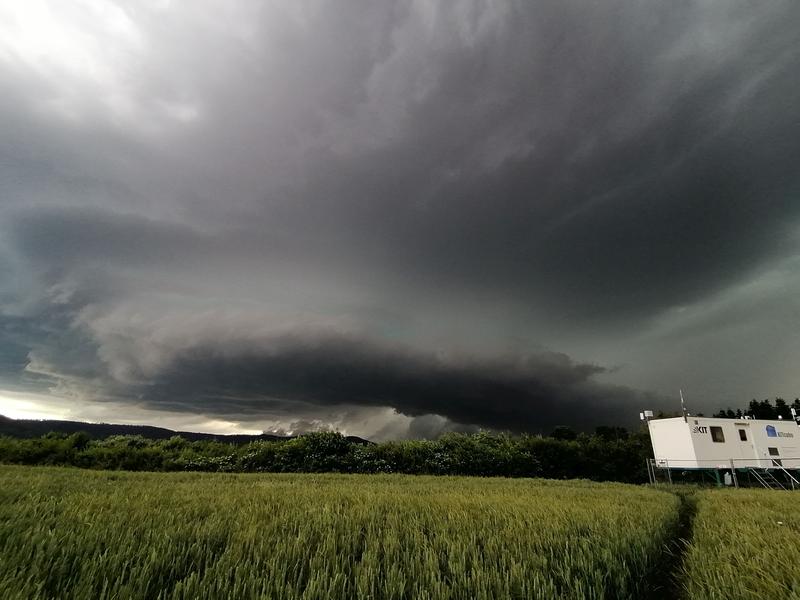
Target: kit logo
x: 772, y: 432
x: 699, y: 429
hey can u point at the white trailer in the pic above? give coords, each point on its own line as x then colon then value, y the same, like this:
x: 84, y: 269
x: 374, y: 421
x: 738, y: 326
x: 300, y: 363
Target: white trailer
x: 712, y: 443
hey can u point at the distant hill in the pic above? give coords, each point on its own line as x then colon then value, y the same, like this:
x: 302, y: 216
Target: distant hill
x: 29, y: 428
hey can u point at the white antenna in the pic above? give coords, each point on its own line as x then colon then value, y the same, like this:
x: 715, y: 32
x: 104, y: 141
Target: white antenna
x: 683, y: 406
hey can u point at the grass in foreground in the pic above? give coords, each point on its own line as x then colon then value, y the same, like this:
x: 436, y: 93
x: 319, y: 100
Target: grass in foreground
x: 745, y: 546
x: 80, y: 534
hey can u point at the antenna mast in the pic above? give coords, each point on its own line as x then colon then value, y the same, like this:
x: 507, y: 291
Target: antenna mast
x: 683, y: 406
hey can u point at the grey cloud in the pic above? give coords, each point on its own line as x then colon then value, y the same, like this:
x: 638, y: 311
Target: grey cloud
x: 433, y: 426
x: 653, y: 178
x: 299, y: 427
x: 484, y: 179
x: 498, y: 148
x: 15, y: 333
x: 510, y: 393
x: 32, y: 341
x: 78, y: 237
x: 306, y: 374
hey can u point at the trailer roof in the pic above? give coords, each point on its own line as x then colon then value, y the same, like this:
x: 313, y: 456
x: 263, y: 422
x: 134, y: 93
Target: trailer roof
x: 725, y: 420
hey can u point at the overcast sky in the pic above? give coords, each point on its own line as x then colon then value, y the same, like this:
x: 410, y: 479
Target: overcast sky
x: 397, y: 218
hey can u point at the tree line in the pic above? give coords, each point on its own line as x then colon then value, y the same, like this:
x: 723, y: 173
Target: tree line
x: 610, y: 454
x: 763, y: 409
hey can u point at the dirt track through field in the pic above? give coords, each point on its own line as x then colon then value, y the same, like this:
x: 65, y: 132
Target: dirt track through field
x: 667, y: 580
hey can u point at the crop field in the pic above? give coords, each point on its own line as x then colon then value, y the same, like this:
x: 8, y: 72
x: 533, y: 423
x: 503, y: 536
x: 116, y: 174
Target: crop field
x: 67, y: 533
x: 745, y: 546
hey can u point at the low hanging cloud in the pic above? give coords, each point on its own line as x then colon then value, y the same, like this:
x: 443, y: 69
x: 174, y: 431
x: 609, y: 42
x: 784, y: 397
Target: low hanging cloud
x: 256, y: 377
x: 517, y: 394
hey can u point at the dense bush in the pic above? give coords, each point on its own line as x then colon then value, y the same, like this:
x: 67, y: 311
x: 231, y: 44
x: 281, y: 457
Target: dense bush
x: 600, y: 457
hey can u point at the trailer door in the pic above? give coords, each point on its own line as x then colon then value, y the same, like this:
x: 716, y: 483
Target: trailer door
x: 747, y: 447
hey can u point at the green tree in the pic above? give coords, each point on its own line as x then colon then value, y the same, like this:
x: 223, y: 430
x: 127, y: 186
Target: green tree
x: 564, y: 433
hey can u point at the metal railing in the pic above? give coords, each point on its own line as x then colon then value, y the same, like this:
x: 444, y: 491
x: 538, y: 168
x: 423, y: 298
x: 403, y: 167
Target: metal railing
x: 763, y: 470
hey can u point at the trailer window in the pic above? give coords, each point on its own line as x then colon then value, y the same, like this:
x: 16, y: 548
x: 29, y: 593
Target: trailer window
x: 743, y: 435
x: 773, y: 451
x: 717, y: 435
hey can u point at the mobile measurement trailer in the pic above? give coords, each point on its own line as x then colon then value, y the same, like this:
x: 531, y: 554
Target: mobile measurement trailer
x: 761, y: 448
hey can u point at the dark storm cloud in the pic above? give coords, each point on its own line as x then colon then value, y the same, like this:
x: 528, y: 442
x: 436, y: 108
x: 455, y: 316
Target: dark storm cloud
x: 623, y: 181
x: 183, y: 185
x: 641, y: 156
x: 508, y: 393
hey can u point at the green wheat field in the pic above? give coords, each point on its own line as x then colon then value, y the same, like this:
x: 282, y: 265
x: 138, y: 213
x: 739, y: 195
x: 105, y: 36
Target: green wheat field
x: 69, y: 533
